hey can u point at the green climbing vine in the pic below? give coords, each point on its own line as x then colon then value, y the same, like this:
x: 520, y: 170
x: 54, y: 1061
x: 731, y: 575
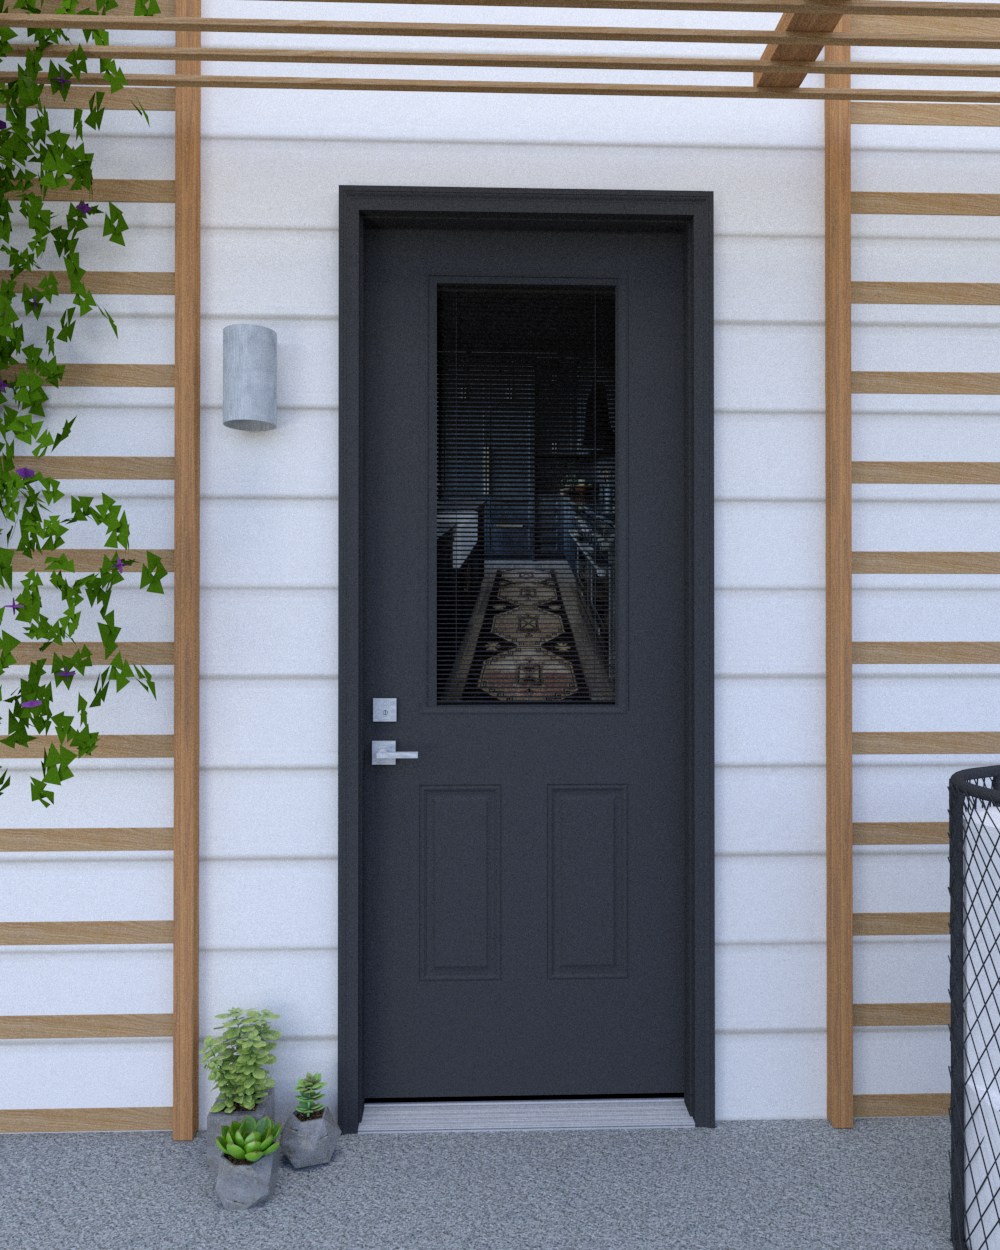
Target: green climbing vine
x: 38, y: 311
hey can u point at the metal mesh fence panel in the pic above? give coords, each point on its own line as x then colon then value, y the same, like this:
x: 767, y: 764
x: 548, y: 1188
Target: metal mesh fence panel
x: 975, y: 1008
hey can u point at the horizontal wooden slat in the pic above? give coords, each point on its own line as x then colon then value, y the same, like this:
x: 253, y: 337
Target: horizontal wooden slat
x: 105, y: 282
x: 926, y: 652
x: 794, y: 39
x: 153, y: 839
x: 132, y: 468
x: 898, y: 383
x: 134, y: 652
x: 925, y: 27
x: 925, y: 203
x: 945, y: 562
x: 948, y: 9
x: 118, y: 375
x: 892, y: 923
x: 926, y: 472
x: 87, y: 933
x: 503, y: 30
x: 109, y: 375
x: 901, y: 1104
x: 923, y: 292
x: 877, y: 114
x: 110, y: 747
x: 153, y: 100
x: 900, y: 833
x: 34, y: 1027
x: 795, y: 61
x: 891, y: 1015
x: 932, y: 743
x: 119, y: 190
x: 481, y: 86
x: 87, y: 1120
x: 90, y: 559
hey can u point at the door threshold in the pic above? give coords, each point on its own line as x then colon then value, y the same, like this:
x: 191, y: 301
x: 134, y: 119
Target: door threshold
x: 529, y: 1115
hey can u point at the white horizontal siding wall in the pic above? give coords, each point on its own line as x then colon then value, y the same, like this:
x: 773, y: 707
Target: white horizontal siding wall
x: 769, y: 258
x: 273, y: 161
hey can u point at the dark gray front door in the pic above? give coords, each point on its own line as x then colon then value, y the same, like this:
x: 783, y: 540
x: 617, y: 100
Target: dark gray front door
x: 525, y: 581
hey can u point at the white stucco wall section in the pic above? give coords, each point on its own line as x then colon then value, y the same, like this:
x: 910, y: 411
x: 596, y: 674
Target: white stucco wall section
x: 272, y: 164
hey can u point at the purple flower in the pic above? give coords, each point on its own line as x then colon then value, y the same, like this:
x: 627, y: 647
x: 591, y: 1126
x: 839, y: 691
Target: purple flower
x: 3, y: 125
x: 61, y: 80
x: 84, y: 207
x: 119, y: 565
x: 25, y: 473
x: 66, y: 672
x: 15, y: 605
x: 32, y: 703
x: 4, y: 386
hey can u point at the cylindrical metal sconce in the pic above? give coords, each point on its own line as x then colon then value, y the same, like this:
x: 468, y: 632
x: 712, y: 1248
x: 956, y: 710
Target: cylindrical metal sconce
x: 249, y: 377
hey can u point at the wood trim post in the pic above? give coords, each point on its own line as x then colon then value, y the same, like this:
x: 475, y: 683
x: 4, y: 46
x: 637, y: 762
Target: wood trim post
x: 839, y: 760
x: 187, y: 493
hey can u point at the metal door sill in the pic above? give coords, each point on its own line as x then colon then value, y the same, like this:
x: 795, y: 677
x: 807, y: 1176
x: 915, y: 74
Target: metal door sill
x: 529, y: 1115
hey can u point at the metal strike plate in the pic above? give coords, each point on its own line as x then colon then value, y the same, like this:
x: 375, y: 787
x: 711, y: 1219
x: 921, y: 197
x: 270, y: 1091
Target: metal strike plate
x: 383, y: 710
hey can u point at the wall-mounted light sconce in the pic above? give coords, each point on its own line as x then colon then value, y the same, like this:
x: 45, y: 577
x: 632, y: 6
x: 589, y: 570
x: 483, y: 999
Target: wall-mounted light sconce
x: 249, y: 377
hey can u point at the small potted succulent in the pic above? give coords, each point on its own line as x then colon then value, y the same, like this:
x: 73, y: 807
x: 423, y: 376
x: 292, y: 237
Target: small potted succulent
x: 310, y: 1132
x: 247, y: 1169
x: 235, y: 1064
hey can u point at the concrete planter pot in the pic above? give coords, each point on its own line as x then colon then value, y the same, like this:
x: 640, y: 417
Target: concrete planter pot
x: 217, y: 1120
x: 308, y: 1143
x: 240, y: 1186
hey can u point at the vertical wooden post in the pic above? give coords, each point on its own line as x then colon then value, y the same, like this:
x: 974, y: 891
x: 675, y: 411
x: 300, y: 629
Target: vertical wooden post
x: 187, y: 494
x: 839, y: 761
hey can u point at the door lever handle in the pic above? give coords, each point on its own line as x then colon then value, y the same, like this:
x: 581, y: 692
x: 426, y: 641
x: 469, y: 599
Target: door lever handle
x: 386, y: 753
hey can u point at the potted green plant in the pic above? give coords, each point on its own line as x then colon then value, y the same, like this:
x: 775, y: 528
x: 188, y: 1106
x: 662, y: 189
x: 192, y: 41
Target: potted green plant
x: 235, y: 1065
x: 247, y: 1171
x: 310, y: 1132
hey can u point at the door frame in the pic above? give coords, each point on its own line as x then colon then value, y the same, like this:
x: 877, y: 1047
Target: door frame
x: 442, y: 207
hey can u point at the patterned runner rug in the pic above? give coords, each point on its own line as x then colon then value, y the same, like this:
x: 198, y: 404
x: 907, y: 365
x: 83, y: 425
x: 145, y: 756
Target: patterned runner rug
x: 525, y: 652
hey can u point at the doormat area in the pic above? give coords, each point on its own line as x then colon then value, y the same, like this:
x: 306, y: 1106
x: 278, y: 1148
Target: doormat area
x: 513, y: 1115
x: 526, y: 651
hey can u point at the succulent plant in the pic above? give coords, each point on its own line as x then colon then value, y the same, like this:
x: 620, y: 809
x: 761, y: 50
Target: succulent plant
x: 246, y: 1141
x: 308, y: 1090
x: 235, y: 1060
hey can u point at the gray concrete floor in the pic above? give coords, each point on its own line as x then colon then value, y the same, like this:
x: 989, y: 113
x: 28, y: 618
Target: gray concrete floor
x: 745, y: 1185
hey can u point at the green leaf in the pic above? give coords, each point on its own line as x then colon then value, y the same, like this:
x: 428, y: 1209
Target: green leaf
x: 39, y: 157
x: 114, y: 221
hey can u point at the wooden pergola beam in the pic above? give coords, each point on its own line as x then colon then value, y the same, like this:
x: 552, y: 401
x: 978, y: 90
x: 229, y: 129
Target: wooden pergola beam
x: 187, y: 585
x: 484, y: 86
x: 839, y: 687
x: 800, y: 24
x: 796, y: 60
x: 950, y: 10
x: 883, y: 33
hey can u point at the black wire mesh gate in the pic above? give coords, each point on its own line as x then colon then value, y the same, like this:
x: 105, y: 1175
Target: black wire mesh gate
x: 975, y: 1008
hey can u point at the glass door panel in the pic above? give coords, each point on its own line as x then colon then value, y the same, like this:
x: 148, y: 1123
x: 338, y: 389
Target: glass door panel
x: 526, y: 494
